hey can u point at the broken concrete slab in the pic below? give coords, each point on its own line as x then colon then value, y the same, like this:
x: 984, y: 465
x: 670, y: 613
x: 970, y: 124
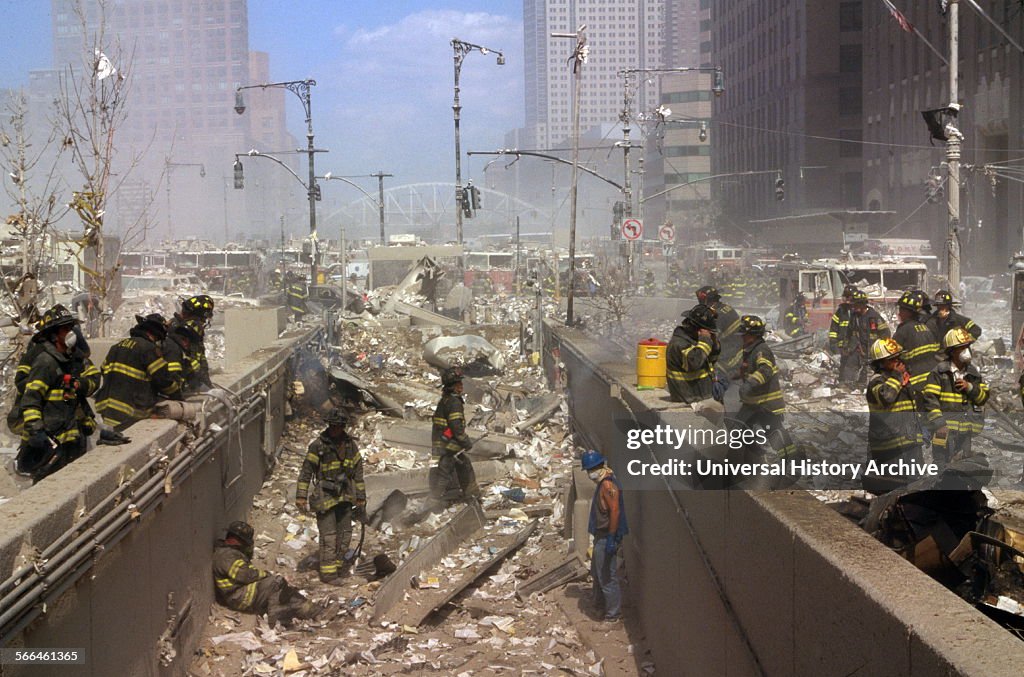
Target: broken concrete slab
x: 462, y: 526
x: 415, y: 482
x: 466, y: 350
x: 421, y: 316
x: 344, y: 379
x: 566, y: 571
x: 415, y: 435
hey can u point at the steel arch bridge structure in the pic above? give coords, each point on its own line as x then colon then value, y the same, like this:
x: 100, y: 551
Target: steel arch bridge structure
x: 428, y: 210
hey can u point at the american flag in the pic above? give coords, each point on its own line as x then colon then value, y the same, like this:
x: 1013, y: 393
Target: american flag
x: 900, y: 18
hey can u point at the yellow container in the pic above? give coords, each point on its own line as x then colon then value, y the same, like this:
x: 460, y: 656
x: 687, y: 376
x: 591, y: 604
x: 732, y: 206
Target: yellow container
x: 651, y: 367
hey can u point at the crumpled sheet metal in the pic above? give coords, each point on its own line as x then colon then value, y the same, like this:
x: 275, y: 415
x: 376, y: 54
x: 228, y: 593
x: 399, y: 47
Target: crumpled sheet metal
x: 441, y: 352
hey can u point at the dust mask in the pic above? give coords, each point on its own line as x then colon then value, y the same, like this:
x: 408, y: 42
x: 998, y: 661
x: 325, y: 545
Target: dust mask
x: 965, y: 356
x: 71, y: 340
x: 595, y: 475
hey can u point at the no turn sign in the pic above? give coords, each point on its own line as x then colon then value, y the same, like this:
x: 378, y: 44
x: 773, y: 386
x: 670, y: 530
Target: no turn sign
x: 667, y: 233
x: 632, y: 229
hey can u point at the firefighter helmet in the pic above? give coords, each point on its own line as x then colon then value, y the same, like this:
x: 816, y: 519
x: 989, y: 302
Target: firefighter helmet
x: 944, y: 298
x: 859, y: 297
x: 702, y: 316
x: 848, y: 291
x: 912, y: 300
x: 710, y: 294
x: 883, y: 349
x: 957, y: 338
x: 200, y: 305
x: 451, y: 376
x: 154, y: 323
x: 336, y: 416
x: 752, y: 325
x: 190, y: 329
x: 243, y: 531
x: 57, y: 316
x: 592, y: 459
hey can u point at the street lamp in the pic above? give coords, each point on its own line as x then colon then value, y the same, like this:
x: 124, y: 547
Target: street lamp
x: 301, y: 89
x: 461, y: 49
x: 168, y: 167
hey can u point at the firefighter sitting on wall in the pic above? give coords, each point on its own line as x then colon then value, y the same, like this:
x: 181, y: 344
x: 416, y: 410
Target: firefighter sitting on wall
x: 454, y: 478
x: 794, y: 323
x: 334, y: 461
x: 240, y: 586
x: 893, y: 430
x: 136, y: 375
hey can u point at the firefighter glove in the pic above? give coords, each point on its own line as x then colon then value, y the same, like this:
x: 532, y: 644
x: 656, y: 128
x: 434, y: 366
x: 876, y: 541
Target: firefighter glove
x: 40, y: 442
x: 113, y: 437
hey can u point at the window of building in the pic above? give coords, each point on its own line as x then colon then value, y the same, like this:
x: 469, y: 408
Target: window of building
x: 850, y: 18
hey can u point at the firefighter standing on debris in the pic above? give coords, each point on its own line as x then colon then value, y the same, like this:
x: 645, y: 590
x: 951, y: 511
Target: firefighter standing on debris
x: 952, y: 399
x: 917, y: 342
x: 334, y: 462
x: 197, y: 310
x: 839, y: 327
x: 607, y: 525
x: 691, y: 356
x: 763, y: 405
x: 893, y: 430
x: 297, y: 295
x: 866, y: 327
x: 728, y: 323
x: 794, y: 323
x: 240, y: 586
x: 455, y: 477
x: 50, y: 412
x: 136, y: 375
x: 945, y: 317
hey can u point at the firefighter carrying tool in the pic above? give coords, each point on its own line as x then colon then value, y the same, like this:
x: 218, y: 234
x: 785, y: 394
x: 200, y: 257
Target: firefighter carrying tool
x: 454, y: 478
x: 893, y: 430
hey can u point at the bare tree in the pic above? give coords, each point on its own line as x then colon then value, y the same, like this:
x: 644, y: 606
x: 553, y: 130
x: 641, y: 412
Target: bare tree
x: 91, y: 108
x: 609, y: 302
x: 34, y: 190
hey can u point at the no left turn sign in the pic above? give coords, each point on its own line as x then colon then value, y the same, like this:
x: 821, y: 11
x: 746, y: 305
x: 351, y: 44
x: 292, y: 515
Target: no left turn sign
x: 632, y: 229
x: 667, y: 233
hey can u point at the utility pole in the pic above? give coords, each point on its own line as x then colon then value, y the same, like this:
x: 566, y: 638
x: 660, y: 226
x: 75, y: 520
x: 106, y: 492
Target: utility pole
x: 344, y: 268
x: 518, y: 288
x: 953, y: 140
x: 380, y: 202
x: 579, y: 57
x: 627, y: 183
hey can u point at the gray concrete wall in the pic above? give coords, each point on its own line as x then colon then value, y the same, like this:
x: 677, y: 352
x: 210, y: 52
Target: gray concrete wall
x: 158, y: 565
x: 744, y: 583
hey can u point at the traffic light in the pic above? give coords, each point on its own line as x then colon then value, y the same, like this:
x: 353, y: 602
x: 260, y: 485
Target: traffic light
x: 239, y: 179
x: 467, y: 208
x: 474, y: 193
x: 780, y: 189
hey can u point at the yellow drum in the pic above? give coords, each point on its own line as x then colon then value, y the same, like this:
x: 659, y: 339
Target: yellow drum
x: 650, y: 363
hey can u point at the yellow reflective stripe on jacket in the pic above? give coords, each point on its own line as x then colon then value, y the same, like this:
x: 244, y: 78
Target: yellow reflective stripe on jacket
x: 926, y: 349
x: 125, y: 370
x: 156, y: 365
x: 36, y: 385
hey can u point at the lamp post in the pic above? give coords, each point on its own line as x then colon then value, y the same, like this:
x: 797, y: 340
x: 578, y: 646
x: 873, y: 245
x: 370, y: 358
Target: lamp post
x: 379, y: 201
x: 301, y: 89
x: 461, y: 49
x: 168, y: 170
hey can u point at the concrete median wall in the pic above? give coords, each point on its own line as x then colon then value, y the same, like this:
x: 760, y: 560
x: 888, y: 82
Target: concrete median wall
x: 137, y: 605
x: 775, y: 583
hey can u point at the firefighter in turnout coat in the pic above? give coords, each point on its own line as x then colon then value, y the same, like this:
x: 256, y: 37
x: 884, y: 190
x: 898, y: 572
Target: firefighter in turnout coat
x: 866, y: 327
x: 946, y: 317
x: 691, y: 356
x: 454, y: 478
x: 50, y: 412
x: 333, y: 461
x: 839, y: 327
x: 240, y: 586
x: 916, y: 340
x: 197, y: 313
x: 136, y: 375
x: 893, y: 430
x: 952, y: 399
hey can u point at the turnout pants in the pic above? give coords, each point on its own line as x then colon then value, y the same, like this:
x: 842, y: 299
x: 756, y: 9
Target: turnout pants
x: 39, y: 467
x: 280, y: 601
x: 335, y: 527
x: 456, y: 478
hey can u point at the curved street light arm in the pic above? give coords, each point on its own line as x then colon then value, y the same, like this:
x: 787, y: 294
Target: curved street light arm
x: 332, y: 177
x: 530, y: 153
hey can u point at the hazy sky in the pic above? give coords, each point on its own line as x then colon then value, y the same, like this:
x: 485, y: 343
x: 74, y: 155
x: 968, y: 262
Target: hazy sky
x: 384, y: 72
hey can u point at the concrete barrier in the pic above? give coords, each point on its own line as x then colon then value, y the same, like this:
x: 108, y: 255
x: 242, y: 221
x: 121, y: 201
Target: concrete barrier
x: 775, y: 583
x: 136, y: 525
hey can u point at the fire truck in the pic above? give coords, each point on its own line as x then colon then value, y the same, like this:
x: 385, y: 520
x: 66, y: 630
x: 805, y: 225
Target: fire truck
x: 822, y: 282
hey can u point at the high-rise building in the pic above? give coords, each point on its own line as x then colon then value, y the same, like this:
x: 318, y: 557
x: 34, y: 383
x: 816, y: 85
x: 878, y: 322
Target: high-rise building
x: 904, y: 76
x: 620, y: 33
x: 185, y: 59
x: 792, y: 103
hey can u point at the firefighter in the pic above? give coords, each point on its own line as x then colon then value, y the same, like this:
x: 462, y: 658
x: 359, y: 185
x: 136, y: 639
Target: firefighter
x: 297, y: 295
x: 183, y: 358
x: 199, y: 310
x: 50, y: 412
x: 607, y: 525
x: 795, y: 321
x: 728, y: 322
x: 866, y: 327
x: 673, y: 282
x: 240, y: 586
x: 339, y: 494
x: 136, y: 375
x: 454, y: 478
x: 838, y: 328
x: 763, y: 404
x: 952, y: 399
x: 691, y: 356
x: 945, y: 317
x: 893, y: 430
x: 650, y: 285
x: 917, y: 342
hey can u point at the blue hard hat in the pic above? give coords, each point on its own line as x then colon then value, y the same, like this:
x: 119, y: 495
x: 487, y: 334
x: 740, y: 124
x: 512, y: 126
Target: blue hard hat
x: 591, y: 459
